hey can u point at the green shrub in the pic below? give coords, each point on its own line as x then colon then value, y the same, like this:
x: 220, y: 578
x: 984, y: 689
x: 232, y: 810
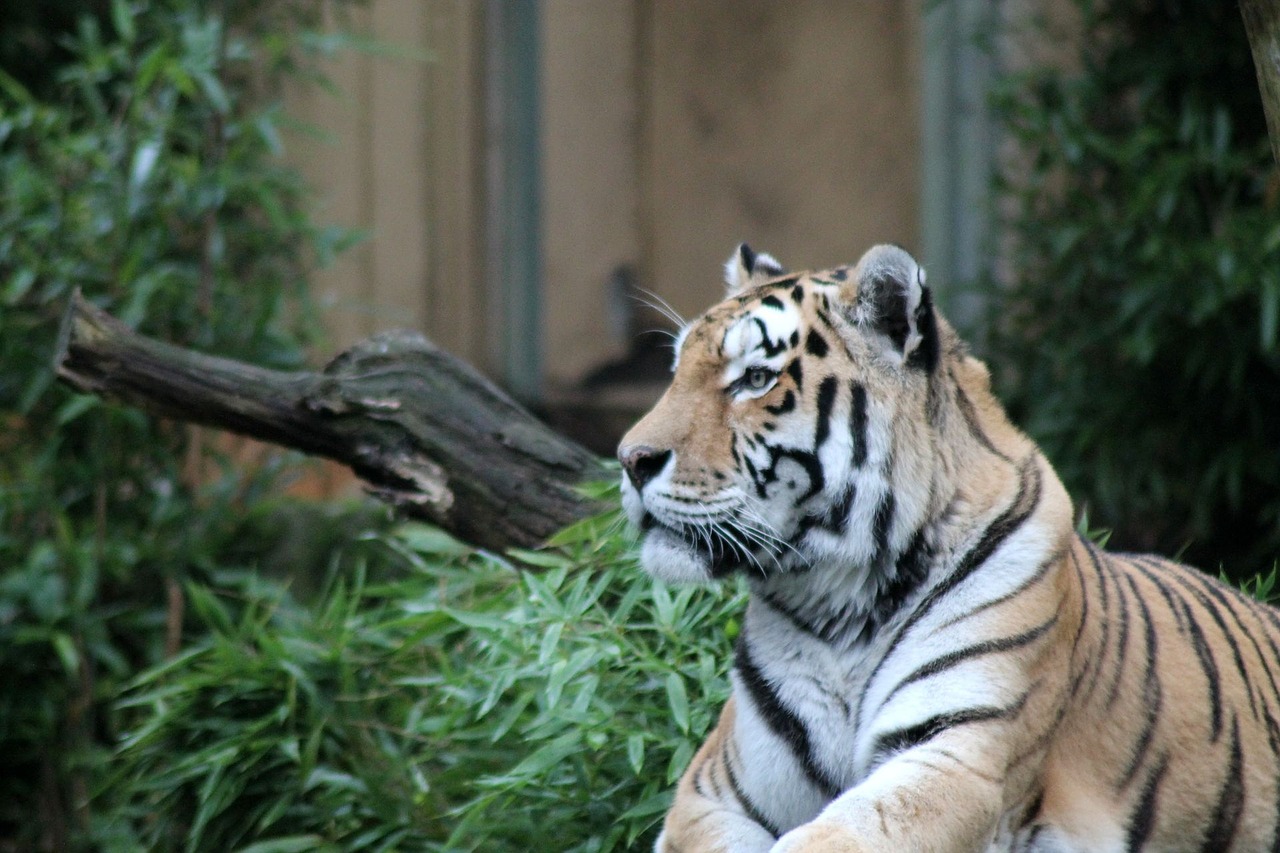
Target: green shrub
x: 139, y: 156
x: 461, y: 706
x: 1139, y: 340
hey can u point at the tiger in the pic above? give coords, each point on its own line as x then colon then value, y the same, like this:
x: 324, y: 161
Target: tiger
x: 932, y: 657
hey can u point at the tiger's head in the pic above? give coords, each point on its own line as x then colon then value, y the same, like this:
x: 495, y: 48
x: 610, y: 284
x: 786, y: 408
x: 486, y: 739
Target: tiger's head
x: 800, y: 425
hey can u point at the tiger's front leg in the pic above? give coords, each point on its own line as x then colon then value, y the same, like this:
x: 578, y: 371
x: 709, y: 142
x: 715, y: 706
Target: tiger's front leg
x: 711, y: 814
x: 942, y: 797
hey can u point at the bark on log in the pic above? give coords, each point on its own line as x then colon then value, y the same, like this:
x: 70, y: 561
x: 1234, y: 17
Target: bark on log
x: 425, y: 430
x: 1262, y: 23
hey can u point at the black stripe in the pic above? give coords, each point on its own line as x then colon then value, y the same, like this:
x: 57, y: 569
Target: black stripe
x: 805, y: 459
x: 1226, y: 816
x: 835, y: 519
x: 881, y: 527
x: 1143, y: 819
x: 780, y: 720
x: 1122, y: 641
x: 1167, y: 594
x: 858, y: 423
x: 1152, y: 694
x: 1204, y: 654
x: 828, y: 627
x: 1275, y: 833
x: 747, y: 805
x: 710, y: 768
x: 796, y: 372
x: 816, y: 345
x: 1031, y: 812
x: 1007, y: 523
x: 1228, y: 598
x: 955, y: 658
x: 1091, y: 660
x: 971, y: 420
x: 788, y: 403
x: 772, y: 301
x: 911, y: 570
x: 1103, y: 576
x: 770, y: 348
x: 898, y: 740
x: 1211, y: 674
x: 826, y: 399
x: 1041, y: 571
x: 1227, y: 635
x: 926, y: 353
x: 1095, y: 557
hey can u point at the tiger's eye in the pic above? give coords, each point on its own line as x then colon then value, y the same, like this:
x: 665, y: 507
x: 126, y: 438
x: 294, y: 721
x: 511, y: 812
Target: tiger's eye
x: 757, y: 378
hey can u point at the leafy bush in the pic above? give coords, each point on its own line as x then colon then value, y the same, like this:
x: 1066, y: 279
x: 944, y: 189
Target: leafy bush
x: 139, y: 155
x: 1139, y: 341
x: 460, y: 706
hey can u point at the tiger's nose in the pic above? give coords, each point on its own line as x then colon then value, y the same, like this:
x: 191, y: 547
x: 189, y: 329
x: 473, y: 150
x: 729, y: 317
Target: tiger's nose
x: 642, y: 462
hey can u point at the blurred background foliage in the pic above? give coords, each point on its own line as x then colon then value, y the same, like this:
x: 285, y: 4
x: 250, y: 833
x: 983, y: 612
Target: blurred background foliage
x: 139, y: 149
x: 1138, y: 339
x: 177, y: 673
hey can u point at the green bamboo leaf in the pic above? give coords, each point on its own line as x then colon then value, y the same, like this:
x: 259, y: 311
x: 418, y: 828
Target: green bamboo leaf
x: 291, y: 844
x: 678, y: 701
x: 67, y: 654
x: 680, y: 758
x: 540, y: 559
x: 548, y: 755
x: 635, y: 752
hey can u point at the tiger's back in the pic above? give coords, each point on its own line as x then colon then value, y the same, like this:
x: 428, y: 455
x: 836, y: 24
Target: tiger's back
x: 1189, y: 665
x: 931, y: 658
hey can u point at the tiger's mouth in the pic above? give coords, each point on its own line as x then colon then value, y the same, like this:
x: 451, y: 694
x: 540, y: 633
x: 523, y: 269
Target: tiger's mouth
x: 717, y: 544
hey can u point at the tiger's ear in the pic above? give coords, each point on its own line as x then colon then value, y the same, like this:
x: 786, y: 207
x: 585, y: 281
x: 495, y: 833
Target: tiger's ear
x: 746, y: 269
x: 887, y: 296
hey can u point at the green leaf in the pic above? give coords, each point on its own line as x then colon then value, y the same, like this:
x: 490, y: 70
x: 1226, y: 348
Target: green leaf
x: 635, y: 752
x: 67, y: 654
x: 680, y: 758
x: 548, y: 755
x: 122, y: 20
x: 432, y: 541
x: 483, y: 621
x: 75, y: 407
x: 540, y: 559
x: 678, y: 701
x: 291, y: 844
x: 547, y: 648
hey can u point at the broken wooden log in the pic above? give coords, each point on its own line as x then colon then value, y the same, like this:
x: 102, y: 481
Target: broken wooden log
x: 1262, y: 23
x: 425, y: 430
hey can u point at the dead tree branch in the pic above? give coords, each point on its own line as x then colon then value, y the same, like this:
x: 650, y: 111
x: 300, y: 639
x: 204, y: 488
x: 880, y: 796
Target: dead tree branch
x: 425, y: 430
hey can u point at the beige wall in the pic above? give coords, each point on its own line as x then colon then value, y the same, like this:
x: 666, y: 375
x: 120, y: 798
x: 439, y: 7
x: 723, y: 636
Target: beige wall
x: 792, y: 126
x: 670, y: 130
x: 590, y: 176
x: 789, y: 125
x: 399, y: 156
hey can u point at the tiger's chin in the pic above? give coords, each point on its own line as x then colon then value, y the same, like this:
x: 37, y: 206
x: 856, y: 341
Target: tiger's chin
x: 671, y: 559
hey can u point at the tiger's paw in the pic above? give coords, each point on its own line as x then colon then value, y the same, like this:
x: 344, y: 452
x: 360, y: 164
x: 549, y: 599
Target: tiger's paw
x: 818, y: 837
